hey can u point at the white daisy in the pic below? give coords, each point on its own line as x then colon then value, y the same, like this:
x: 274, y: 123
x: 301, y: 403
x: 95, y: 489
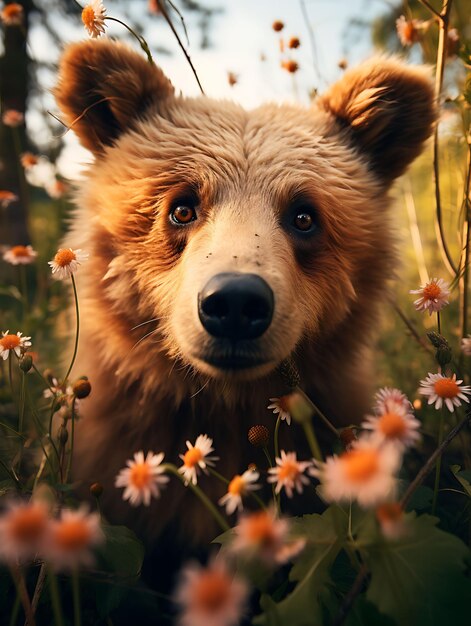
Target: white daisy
x: 71, y: 539
x: 20, y: 255
x: 262, y: 535
x: 142, y: 478
x: 210, y: 596
x: 66, y: 262
x: 365, y: 473
x: 13, y: 343
x: 289, y: 473
x: 394, y: 424
x: 433, y: 296
x: 22, y: 529
x: 197, y: 457
x: 444, y: 389
x: 93, y: 18
x: 387, y: 396
x: 238, y: 487
x: 279, y: 405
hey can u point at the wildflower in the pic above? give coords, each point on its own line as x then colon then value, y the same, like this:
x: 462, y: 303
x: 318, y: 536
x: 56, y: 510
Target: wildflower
x: 238, y: 487
x: 280, y: 405
x: 258, y: 435
x: 196, y: 457
x: 210, y: 596
x: 433, y: 296
x: 466, y: 345
x: 20, y: 255
x: 277, y: 26
x: 409, y: 31
x: 290, y: 66
x: 444, y: 389
x: 6, y: 198
x: 263, y: 535
x: 13, y: 118
x: 289, y: 473
x: 153, y: 7
x: 342, y: 64
x: 347, y: 437
x: 364, y: 473
x: 13, y: 343
x: 389, y: 397
x: 59, y: 391
x: 28, y: 160
x: 82, y: 388
x: 66, y: 262
x: 93, y: 18
x: 390, y: 516
x: 22, y: 529
x: 71, y: 538
x: 294, y: 42
x: 142, y: 478
x: 232, y: 78
x: 394, y: 423
x: 56, y: 189
x: 12, y: 14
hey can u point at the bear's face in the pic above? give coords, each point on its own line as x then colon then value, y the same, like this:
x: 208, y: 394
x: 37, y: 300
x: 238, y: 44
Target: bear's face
x: 240, y: 234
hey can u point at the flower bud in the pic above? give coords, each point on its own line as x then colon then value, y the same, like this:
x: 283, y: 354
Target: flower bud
x: 63, y: 435
x: 443, y: 355
x: 81, y: 388
x: 298, y: 407
x: 258, y: 435
x: 277, y: 26
x: 26, y: 362
x: 96, y: 489
x: 347, y: 437
x: 294, y: 42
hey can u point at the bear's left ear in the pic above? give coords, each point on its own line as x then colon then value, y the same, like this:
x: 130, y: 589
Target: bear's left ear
x: 387, y: 109
x: 103, y: 89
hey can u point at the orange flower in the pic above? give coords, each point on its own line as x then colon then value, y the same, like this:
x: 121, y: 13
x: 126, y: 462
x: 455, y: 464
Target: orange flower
x: 28, y: 160
x: 232, y: 78
x: 12, y: 14
x: 20, y: 255
x: 277, y: 26
x: 294, y: 42
x: 290, y: 66
x: 6, y: 198
x: 13, y: 118
x: 22, y: 530
x: 93, y: 18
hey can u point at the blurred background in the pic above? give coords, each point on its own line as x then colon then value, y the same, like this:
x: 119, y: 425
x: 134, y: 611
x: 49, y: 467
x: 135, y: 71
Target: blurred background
x: 238, y: 55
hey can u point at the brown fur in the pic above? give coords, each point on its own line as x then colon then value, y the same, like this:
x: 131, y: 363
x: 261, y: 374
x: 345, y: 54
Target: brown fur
x: 151, y: 388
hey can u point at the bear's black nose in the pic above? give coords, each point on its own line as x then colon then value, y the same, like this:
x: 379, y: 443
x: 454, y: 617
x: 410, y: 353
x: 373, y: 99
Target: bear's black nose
x: 236, y: 306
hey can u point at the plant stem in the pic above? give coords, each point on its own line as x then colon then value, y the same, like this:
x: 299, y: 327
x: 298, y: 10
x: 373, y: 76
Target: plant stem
x: 275, y: 442
x: 141, y: 40
x: 76, y: 597
x: 22, y: 592
x: 443, y: 22
x: 179, y: 41
x: 312, y: 441
x: 316, y: 410
x: 55, y: 599
x: 77, y: 330
x: 21, y: 415
x: 201, y: 495
x: 439, y: 326
x: 39, y: 587
x: 72, y: 438
x: 14, y: 611
x: 438, y: 467
x: 427, y: 468
x: 349, y: 599
x: 464, y: 278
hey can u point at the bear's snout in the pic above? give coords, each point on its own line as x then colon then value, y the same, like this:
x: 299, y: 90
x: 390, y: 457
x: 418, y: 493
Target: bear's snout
x: 236, y: 306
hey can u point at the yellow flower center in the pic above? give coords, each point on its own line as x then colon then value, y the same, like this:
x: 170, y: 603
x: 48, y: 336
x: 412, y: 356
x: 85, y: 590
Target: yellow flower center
x: 360, y: 465
x: 431, y: 291
x: 140, y: 475
x: 10, y: 342
x: 192, y: 457
x: 392, y: 425
x: 260, y: 528
x: 27, y: 524
x: 211, y: 591
x: 64, y: 257
x: 236, y: 486
x: 88, y: 16
x: 446, y: 388
x: 19, y: 251
x: 288, y: 471
x: 72, y: 535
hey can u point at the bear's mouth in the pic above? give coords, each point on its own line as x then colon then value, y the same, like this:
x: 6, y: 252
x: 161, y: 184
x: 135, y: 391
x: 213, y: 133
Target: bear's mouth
x: 231, y: 357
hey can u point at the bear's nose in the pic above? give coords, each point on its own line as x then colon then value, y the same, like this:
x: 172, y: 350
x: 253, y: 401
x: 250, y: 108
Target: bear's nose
x: 236, y: 306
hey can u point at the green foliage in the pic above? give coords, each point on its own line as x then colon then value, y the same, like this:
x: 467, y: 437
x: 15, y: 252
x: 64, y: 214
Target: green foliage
x: 122, y: 553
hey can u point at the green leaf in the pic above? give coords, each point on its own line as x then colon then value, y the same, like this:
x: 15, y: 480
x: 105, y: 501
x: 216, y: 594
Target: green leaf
x: 122, y: 553
x: 421, y: 499
x: 419, y: 580
x: 305, y: 606
x: 363, y: 613
x: 463, y: 478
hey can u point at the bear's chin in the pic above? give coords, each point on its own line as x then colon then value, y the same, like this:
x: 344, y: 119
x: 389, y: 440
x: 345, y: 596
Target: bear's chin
x: 234, y: 369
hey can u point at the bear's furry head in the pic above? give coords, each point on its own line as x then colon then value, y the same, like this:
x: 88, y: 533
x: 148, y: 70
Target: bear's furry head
x: 184, y: 190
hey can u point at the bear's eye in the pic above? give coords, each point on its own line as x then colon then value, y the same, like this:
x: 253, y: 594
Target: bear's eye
x: 303, y: 221
x: 183, y: 214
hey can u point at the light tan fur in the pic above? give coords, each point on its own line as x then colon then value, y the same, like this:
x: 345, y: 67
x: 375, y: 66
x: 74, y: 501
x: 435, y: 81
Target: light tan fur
x: 141, y: 339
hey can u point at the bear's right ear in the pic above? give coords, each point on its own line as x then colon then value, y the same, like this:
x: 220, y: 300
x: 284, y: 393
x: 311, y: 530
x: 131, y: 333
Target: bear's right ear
x: 104, y: 87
